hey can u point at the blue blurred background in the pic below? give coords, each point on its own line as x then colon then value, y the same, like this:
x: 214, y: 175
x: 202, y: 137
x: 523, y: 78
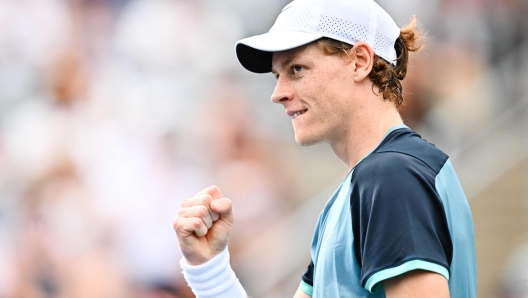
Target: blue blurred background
x: 113, y: 111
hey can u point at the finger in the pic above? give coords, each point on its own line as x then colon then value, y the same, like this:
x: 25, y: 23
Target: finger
x: 199, y: 199
x: 186, y: 203
x: 213, y: 191
x: 199, y: 211
x: 224, y: 207
x: 214, y: 215
x: 205, y: 200
x: 185, y: 227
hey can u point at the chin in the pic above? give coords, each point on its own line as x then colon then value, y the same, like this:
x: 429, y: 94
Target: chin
x: 307, y: 140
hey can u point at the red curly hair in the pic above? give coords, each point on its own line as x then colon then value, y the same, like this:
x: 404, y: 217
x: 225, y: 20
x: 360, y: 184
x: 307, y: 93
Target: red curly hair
x: 386, y: 77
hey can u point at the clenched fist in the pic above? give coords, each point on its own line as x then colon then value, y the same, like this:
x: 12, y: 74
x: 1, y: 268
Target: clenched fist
x: 203, y: 225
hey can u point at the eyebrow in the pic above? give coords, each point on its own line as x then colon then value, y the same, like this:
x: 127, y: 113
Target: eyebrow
x: 285, y: 62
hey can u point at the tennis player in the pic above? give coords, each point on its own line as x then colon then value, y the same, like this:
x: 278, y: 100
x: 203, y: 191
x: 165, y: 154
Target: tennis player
x: 399, y: 225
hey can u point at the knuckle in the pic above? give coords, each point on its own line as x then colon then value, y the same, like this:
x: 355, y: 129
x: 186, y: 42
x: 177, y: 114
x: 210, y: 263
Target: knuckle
x: 181, y: 212
x: 196, y: 223
x: 205, y: 198
x: 177, y: 225
x: 202, y: 211
x: 185, y: 203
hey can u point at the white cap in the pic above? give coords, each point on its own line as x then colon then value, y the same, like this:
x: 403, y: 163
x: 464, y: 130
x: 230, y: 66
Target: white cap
x: 304, y: 21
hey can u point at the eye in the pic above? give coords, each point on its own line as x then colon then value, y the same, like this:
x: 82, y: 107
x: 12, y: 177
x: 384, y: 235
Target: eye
x: 297, y: 68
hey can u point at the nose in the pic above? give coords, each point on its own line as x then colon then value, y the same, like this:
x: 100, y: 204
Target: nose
x: 283, y: 92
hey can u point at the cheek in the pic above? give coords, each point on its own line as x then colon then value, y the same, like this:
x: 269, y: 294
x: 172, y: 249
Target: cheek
x: 330, y: 101
x: 329, y: 93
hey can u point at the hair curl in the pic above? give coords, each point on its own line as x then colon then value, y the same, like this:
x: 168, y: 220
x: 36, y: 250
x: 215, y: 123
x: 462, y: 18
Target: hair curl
x: 386, y: 77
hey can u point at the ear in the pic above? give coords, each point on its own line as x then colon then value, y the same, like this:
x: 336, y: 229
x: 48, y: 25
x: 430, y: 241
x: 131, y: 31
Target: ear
x: 363, y: 60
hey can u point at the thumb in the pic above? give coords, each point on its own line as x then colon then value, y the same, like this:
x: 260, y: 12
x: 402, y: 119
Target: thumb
x: 224, y: 207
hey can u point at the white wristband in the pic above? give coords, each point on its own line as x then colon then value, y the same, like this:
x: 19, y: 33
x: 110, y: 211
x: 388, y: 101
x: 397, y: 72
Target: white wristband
x: 213, y: 279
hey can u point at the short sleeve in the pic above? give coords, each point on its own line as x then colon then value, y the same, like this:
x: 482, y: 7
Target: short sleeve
x: 307, y: 280
x: 398, y: 219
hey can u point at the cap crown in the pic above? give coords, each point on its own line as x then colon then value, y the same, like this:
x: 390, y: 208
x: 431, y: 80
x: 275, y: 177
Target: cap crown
x: 349, y: 21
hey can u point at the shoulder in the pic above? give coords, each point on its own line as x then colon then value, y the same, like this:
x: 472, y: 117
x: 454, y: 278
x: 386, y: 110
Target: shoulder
x: 402, y: 167
x: 408, y: 142
x: 401, y: 151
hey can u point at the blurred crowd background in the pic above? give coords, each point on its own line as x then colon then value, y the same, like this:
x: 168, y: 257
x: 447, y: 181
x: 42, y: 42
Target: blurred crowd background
x: 114, y: 111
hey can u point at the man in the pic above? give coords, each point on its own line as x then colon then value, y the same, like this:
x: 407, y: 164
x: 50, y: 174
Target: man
x: 399, y: 225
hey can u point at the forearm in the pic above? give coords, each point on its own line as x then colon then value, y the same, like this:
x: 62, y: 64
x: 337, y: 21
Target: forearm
x: 215, y: 278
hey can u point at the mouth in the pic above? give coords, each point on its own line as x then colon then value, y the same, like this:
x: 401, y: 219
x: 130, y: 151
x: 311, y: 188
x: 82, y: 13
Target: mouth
x: 297, y: 114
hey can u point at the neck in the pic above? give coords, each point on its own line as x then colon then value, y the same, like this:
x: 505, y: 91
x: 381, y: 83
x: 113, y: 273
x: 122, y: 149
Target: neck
x: 370, y: 125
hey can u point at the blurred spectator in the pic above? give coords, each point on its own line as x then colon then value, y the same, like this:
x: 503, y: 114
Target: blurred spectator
x: 63, y: 250
x: 446, y: 79
x: 30, y: 33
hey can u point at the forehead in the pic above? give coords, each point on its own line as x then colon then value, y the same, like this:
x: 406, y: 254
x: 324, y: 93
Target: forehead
x: 282, y: 59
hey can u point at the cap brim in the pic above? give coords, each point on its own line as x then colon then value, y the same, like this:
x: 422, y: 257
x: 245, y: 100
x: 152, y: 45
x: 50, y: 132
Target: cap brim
x: 255, y: 53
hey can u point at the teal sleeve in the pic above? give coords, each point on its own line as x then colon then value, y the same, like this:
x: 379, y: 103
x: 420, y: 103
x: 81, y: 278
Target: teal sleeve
x: 306, y: 288
x: 375, y: 282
